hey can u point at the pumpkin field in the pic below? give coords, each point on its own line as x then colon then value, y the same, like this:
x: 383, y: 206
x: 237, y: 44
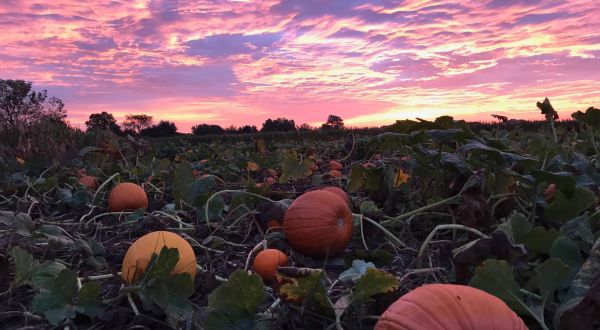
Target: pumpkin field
x: 428, y: 225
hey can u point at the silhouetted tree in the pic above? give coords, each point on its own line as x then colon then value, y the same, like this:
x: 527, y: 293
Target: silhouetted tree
x: 305, y: 127
x: 136, y: 123
x: 20, y: 104
x: 278, y: 125
x: 247, y: 129
x: 103, y: 121
x: 205, y: 129
x: 164, y: 128
x: 333, y: 122
x: 231, y: 130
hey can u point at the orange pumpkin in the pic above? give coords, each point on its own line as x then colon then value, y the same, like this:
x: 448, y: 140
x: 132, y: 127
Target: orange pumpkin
x: 267, y: 261
x: 139, y: 253
x: 335, y: 173
x: 338, y: 192
x: 89, y: 181
x: 318, y: 224
x: 449, y: 307
x: 127, y: 196
x: 335, y: 165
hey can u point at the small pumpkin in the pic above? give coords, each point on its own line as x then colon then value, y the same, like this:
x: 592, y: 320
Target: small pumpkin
x: 318, y: 224
x: 338, y: 192
x: 335, y: 173
x: 140, y: 252
x: 267, y: 261
x: 127, y: 196
x: 449, y: 306
x: 335, y: 165
x: 89, y: 181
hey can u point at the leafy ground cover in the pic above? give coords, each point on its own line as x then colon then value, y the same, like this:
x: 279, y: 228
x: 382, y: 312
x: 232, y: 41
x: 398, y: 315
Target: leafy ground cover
x: 512, y: 212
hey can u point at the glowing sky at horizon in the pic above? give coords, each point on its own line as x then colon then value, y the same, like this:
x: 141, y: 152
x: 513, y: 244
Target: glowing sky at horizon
x: 369, y: 61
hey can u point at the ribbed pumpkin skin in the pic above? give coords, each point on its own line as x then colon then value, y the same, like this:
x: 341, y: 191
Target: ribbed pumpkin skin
x: 127, y: 196
x: 89, y: 181
x: 138, y: 256
x: 339, y: 192
x: 449, y: 307
x: 318, y: 224
x: 267, y: 261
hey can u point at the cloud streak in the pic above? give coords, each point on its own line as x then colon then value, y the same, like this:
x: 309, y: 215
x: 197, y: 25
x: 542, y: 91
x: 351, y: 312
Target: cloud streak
x: 240, y: 62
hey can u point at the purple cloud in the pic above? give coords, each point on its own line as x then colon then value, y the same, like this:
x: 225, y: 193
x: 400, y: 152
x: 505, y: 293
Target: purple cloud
x: 223, y: 45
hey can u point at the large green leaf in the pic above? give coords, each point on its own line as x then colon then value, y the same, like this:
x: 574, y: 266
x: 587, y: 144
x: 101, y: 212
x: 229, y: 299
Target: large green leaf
x: 564, y: 208
x: 56, y: 300
x: 234, y: 303
x: 497, y: 277
x: 540, y: 239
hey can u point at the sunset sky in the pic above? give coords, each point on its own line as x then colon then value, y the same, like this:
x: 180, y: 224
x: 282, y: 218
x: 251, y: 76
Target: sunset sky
x: 241, y: 62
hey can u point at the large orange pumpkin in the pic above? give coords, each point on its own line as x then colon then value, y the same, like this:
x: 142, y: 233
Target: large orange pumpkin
x: 89, y: 181
x: 267, y: 261
x: 318, y: 223
x: 339, y: 192
x: 127, y: 196
x: 138, y: 256
x: 449, y: 307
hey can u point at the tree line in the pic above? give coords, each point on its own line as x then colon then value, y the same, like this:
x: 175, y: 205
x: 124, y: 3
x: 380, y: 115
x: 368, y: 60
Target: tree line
x: 143, y: 125
x: 21, y: 106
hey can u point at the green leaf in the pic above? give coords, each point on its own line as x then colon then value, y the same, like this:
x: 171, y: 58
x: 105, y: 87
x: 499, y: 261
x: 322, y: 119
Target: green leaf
x: 497, y: 278
x: 373, y: 179
x: 563, y: 180
x: 516, y: 227
x: 579, y: 306
x: 291, y: 168
x: 234, y: 303
x: 566, y: 251
x: 45, y: 272
x: 564, y: 208
x: 89, y: 301
x: 373, y: 282
x: 25, y: 266
x: 307, y: 288
x: 161, y: 265
x: 369, y: 208
x: 56, y: 301
x: 357, y: 178
x: 52, y: 234
x: 540, y: 239
x: 182, y: 182
x: 549, y: 275
x: 169, y: 292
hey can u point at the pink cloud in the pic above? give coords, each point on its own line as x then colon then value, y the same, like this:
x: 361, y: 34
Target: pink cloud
x: 371, y: 62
